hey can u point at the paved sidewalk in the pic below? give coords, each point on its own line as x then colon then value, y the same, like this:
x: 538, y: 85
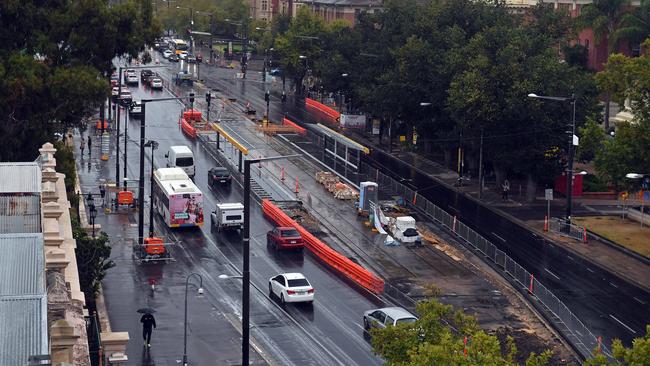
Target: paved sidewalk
x: 532, y: 213
x: 212, y: 337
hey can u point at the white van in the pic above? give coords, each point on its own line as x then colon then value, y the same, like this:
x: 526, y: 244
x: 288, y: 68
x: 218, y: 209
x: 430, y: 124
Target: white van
x: 181, y: 157
x: 228, y: 216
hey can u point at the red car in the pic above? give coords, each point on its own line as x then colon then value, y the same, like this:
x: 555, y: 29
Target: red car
x: 284, y: 238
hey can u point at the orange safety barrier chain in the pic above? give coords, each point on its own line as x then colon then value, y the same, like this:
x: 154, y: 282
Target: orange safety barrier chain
x: 329, y: 111
x: 187, y: 128
x: 331, y: 257
x: 288, y: 122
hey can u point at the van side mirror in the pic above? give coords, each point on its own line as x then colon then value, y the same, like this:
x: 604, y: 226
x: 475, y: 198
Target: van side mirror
x: 167, y: 155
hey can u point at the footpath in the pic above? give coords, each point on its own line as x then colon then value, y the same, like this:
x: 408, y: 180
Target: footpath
x: 531, y: 214
x: 212, y: 338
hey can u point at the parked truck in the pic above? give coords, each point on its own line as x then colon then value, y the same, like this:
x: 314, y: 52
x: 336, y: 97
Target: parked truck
x: 228, y: 216
x: 403, y: 229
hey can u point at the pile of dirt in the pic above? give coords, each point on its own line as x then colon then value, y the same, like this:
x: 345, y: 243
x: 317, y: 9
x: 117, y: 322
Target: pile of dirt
x: 304, y: 218
x: 527, y: 342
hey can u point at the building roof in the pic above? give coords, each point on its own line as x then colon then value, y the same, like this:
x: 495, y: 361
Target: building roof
x: 23, y: 299
x: 23, y: 328
x: 20, y: 213
x: 20, y: 178
x: 22, y: 265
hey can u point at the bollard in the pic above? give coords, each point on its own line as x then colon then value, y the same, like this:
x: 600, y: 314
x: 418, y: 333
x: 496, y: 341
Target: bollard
x: 584, y: 235
x: 465, y: 346
x: 530, y: 287
x: 297, y: 186
x: 453, y: 226
x: 545, y: 222
x: 282, y: 174
x: 600, y: 342
x: 415, y: 197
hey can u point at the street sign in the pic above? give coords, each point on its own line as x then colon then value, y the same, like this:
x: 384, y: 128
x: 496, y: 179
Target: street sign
x: 548, y: 194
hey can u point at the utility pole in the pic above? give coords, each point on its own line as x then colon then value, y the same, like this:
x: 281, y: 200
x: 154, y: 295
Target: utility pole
x: 244, y: 59
x: 117, y: 119
x: 126, y: 138
x: 141, y: 181
x: 569, y: 189
x: 480, y: 168
x: 154, y: 145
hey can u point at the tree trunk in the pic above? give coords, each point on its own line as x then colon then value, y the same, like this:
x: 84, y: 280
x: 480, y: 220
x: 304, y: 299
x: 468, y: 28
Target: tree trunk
x: 531, y: 188
x: 607, y: 101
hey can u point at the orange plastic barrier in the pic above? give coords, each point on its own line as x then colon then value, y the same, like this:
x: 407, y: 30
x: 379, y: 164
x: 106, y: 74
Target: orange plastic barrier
x: 192, y: 115
x: 98, y: 124
x: 125, y: 198
x: 331, y: 257
x: 328, y: 111
x: 188, y: 128
x: 154, y: 246
x: 288, y: 122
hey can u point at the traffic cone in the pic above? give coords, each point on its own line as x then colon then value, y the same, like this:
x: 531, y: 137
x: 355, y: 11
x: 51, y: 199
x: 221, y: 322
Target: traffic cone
x: 282, y: 174
x: 415, y: 197
x: 297, y: 186
x: 545, y: 222
x: 530, y: 286
x: 584, y: 235
x: 453, y: 226
x: 465, y: 346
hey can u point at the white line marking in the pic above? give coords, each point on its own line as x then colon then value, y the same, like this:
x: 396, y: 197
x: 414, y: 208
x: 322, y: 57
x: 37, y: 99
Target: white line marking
x: 570, y: 257
x: 613, y: 285
x: 623, y: 324
x: 643, y: 303
x: 500, y: 238
x: 552, y: 274
x: 590, y: 270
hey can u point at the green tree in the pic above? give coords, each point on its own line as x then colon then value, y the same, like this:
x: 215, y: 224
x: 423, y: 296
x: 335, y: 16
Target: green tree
x: 443, y: 336
x: 628, y: 151
x: 92, y: 259
x: 592, y: 138
x: 638, y: 354
x: 634, y: 26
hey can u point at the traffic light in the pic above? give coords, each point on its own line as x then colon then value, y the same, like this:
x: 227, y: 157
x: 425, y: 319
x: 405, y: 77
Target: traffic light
x: 191, y: 97
x: 284, y: 97
x: 267, y: 96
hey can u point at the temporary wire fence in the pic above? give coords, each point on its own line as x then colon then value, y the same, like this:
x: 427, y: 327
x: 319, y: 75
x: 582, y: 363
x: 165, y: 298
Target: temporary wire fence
x: 557, y: 313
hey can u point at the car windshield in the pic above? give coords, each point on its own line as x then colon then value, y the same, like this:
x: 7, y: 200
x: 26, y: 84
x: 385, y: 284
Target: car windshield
x: 298, y: 282
x: 157, y: 81
x: 184, y: 161
x: 289, y: 233
x: 406, y: 320
x: 222, y: 171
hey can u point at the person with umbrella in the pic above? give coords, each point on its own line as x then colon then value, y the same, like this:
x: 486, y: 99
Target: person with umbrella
x: 148, y: 323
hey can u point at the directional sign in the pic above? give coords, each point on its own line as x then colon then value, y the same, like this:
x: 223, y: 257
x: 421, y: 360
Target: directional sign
x: 548, y: 194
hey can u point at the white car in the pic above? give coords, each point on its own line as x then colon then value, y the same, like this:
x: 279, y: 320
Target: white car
x: 291, y: 287
x: 132, y: 79
x: 156, y: 83
x: 115, y: 91
x: 183, y: 55
x: 384, y: 317
x: 167, y: 53
x: 136, y: 108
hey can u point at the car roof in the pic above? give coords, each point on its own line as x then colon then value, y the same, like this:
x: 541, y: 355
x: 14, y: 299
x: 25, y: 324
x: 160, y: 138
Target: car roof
x: 293, y: 276
x: 397, y: 312
x: 219, y: 168
x: 285, y: 228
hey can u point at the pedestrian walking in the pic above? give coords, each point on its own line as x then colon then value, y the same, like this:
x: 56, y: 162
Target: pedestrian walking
x: 148, y: 323
x: 82, y: 145
x: 505, y: 189
x: 90, y: 143
x: 102, y: 193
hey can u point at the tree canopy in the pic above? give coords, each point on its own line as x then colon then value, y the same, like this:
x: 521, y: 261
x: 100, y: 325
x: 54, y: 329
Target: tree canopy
x: 54, y: 62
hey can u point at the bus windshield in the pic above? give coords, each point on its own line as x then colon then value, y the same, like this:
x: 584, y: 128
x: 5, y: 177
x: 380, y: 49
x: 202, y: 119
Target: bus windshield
x: 178, y: 45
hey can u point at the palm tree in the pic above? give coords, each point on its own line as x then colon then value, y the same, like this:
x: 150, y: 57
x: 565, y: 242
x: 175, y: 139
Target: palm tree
x: 634, y: 27
x: 603, y: 17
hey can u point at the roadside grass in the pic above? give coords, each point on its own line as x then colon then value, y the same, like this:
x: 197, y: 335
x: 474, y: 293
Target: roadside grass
x: 624, y: 232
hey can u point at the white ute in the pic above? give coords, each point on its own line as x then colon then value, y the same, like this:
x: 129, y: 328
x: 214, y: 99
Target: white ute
x: 403, y: 229
x: 228, y: 216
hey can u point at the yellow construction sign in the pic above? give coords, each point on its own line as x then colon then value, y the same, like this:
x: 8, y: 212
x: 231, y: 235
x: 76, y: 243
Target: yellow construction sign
x: 239, y: 146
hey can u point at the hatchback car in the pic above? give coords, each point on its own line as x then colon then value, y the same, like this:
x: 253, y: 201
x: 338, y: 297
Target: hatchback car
x: 167, y: 53
x: 115, y: 91
x: 156, y: 83
x: 284, y: 238
x: 219, y: 175
x: 291, y: 287
x: 384, y: 317
x: 173, y: 58
x: 145, y: 75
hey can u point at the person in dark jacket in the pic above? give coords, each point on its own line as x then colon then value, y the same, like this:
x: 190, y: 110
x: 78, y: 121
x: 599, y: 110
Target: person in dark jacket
x: 148, y: 321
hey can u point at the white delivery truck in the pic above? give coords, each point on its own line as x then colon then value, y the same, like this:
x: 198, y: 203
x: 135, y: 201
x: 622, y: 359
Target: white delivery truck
x: 176, y: 198
x: 228, y: 216
x: 403, y: 229
x: 181, y: 157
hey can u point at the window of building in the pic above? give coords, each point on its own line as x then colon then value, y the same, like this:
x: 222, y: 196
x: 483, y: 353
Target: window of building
x: 265, y: 5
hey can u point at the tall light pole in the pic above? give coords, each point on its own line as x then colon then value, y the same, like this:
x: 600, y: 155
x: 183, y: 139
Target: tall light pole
x: 200, y: 292
x: 154, y: 145
x: 246, y: 254
x: 572, y: 142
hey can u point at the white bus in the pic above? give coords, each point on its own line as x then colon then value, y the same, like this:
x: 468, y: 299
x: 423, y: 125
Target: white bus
x: 177, y: 199
x: 178, y: 46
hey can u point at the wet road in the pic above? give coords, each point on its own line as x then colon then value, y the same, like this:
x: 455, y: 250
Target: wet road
x: 327, y: 333
x: 608, y: 305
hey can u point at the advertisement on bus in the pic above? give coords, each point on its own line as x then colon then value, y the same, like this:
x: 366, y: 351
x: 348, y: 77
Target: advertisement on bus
x: 186, y: 210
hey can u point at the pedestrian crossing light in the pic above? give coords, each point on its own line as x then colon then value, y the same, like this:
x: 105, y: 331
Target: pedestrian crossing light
x: 267, y: 96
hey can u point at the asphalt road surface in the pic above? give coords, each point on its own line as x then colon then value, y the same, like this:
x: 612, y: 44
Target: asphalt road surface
x: 608, y: 305
x: 327, y: 333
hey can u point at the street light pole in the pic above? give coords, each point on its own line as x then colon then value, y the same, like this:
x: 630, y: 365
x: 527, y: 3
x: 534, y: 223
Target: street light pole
x: 141, y: 182
x: 117, y: 120
x: 187, y: 283
x: 154, y: 145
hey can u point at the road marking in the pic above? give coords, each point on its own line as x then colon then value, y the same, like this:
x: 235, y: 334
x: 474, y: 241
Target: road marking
x: 623, y: 324
x: 552, y: 274
x: 590, y: 270
x: 641, y: 302
x: 613, y: 285
x: 500, y: 238
x: 570, y: 257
